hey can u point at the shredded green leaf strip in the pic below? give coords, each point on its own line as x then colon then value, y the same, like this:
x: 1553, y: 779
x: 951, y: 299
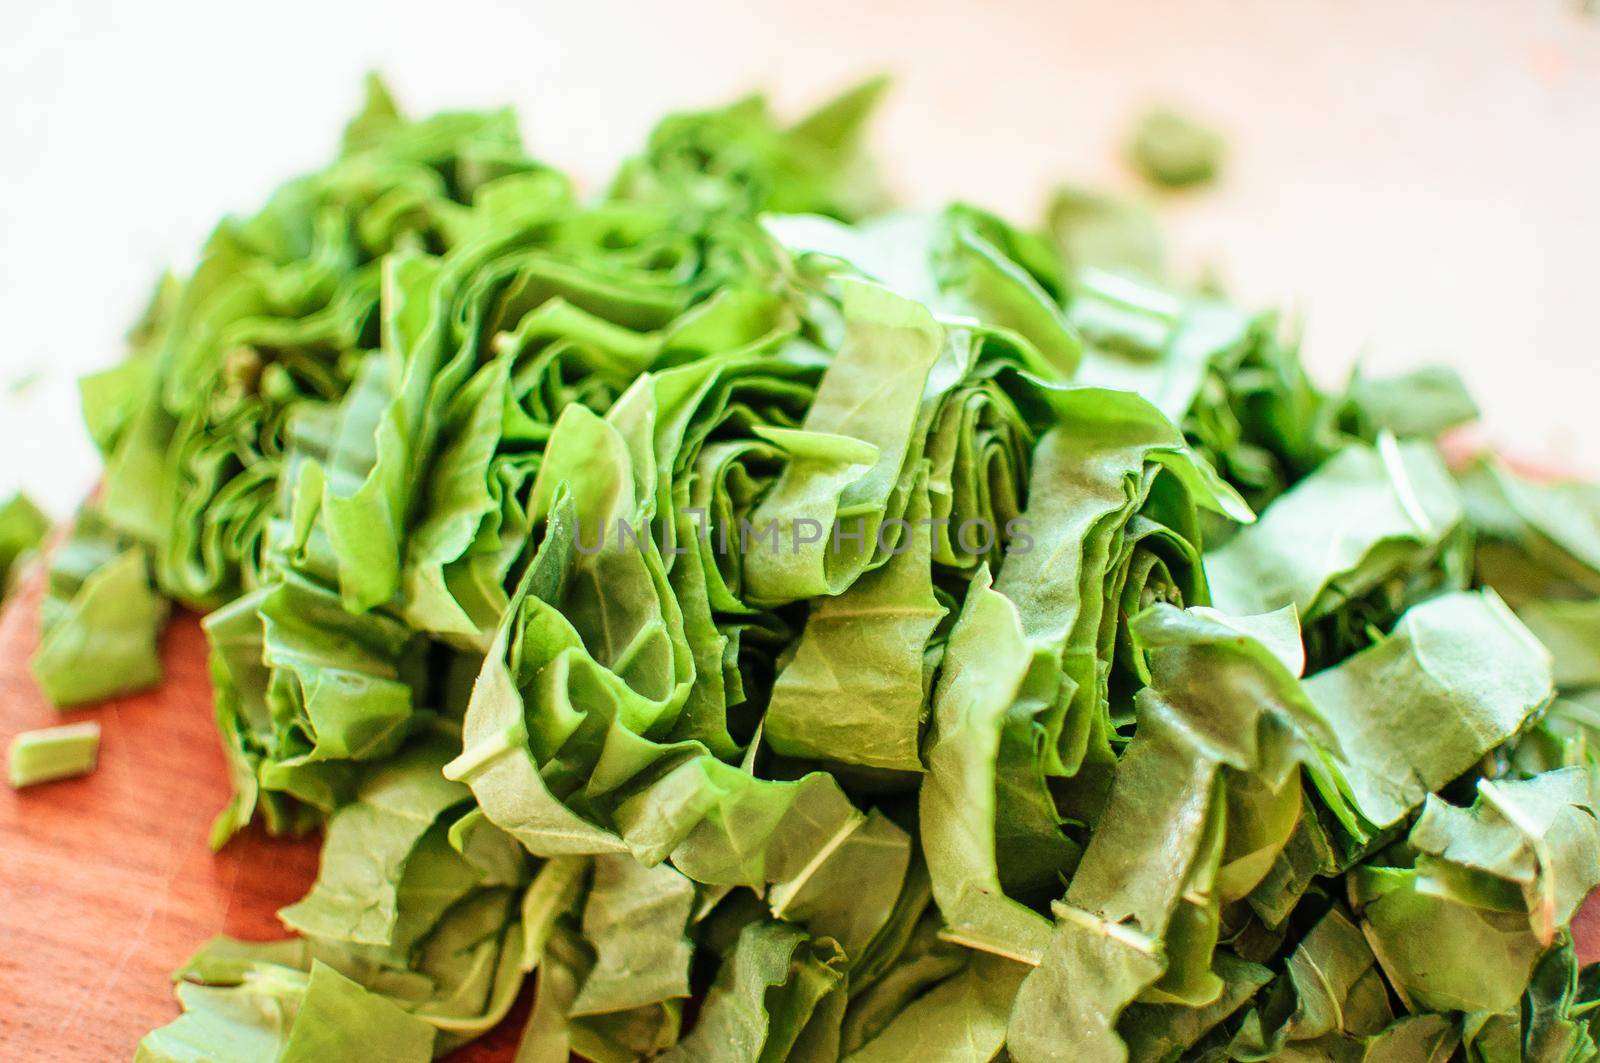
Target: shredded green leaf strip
x: 51, y: 753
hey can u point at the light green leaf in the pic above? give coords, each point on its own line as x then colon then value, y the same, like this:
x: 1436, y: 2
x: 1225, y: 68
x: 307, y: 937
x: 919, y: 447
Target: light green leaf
x: 102, y: 620
x: 1463, y: 664
x: 369, y: 845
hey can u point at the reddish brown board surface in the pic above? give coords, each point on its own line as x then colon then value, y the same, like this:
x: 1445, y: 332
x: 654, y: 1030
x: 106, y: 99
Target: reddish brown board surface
x: 107, y: 883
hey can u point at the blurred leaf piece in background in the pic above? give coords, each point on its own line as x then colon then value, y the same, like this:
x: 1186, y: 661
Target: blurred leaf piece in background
x: 1172, y: 150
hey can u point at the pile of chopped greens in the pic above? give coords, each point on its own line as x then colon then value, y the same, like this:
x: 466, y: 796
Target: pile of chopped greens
x: 769, y: 627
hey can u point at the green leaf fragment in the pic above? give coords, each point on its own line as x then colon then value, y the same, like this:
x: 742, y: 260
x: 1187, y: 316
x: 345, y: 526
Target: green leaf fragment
x: 1441, y: 955
x: 23, y: 527
x: 962, y: 1018
x: 102, y: 619
x: 258, y: 1009
x: 1423, y: 403
x: 765, y: 995
x: 51, y: 753
x: 1462, y: 663
x: 1372, y: 531
x: 1533, y: 842
x: 635, y: 917
x: 369, y: 846
x: 1172, y: 150
x: 338, y: 1020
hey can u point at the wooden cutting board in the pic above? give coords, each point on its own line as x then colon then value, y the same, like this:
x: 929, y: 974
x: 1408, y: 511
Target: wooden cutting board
x: 107, y: 883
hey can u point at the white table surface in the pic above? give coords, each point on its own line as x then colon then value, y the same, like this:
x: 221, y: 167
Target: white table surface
x: 1416, y: 181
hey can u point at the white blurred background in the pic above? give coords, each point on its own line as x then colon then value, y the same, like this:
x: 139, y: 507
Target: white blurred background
x: 1416, y: 181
